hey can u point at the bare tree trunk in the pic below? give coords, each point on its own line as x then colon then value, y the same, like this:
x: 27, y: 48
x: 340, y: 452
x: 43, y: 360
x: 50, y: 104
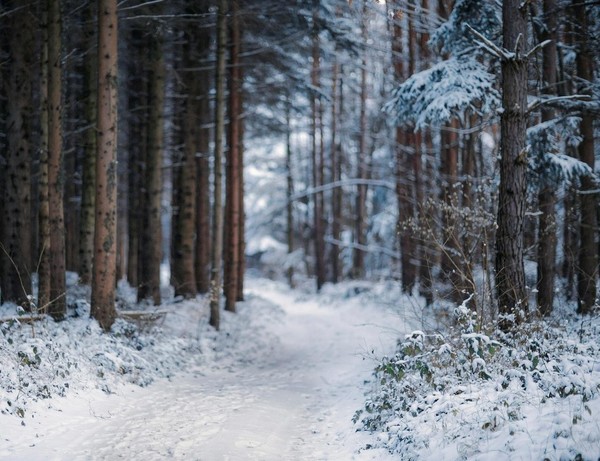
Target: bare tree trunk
x: 241, y: 267
x: 217, y: 224
x: 151, y: 243
x: 289, y: 191
x: 335, y: 170
x: 88, y: 191
x: 316, y: 155
x: 510, y: 274
x: 203, y: 238
x: 403, y: 162
x: 358, y: 261
x: 16, y: 245
x: 43, y: 268
x: 546, y: 196
x: 105, y: 256
x: 183, y: 276
x: 588, y: 255
x: 233, y: 197
x: 56, y: 180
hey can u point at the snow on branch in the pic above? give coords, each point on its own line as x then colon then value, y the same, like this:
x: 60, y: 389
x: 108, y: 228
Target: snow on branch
x: 547, y: 164
x: 489, y: 46
x: 444, y: 91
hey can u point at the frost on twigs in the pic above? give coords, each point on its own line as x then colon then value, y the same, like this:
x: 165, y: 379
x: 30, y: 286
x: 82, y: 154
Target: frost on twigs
x: 478, y: 392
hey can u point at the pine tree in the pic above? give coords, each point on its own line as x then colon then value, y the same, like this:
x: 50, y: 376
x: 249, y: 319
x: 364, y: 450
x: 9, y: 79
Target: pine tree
x: 105, y: 256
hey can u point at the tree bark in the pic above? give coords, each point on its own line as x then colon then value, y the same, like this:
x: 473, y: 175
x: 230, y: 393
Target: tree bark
x: 88, y: 190
x: 16, y: 252
x: 203, y: 238
x: 510, y: 274
x: 289, y: 207
x: 335, y: 175
x: 57, y: 308
x: 151, y: 242
x: 403, y: 163
x: 43, y: 268
x: 232, y: 253
x: 546, y: 256
x: 183, y: 276
x: 317, y: 156
x: 358, y: 261
x: 587, y: 274
x: 105, y: 261
x: 217, y: 224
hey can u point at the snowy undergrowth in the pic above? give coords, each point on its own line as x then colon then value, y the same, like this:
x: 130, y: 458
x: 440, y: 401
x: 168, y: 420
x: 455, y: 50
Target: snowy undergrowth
x: 45, y: 359
x: 533, y: 394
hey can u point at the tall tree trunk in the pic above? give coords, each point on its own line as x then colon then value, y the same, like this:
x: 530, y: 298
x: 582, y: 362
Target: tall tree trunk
x: 233, y: 197
x: 43, y: 268
x: 137, y: 120
x: 151, y: 242
x: 289, y: 191
x: 16, y: 245
x: 317, y: 155
x: 105, y: 256
x: 183, y: 276
x: 403, y: 162
x: 510, y: 273
x: 203, y: 238
x: 217, y: 224
x: 56, y: 180
x: 334, y: 165
x: 241, y: 267
x: 588, y: 256
x: 546, y: 256
x: 88, y: 190
x: 358, y: 261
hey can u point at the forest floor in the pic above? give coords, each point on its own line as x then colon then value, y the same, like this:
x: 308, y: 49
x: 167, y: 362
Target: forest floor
x: 280, y: 381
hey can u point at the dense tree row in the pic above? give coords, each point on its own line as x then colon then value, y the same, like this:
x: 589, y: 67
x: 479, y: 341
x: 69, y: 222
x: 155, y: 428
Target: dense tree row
x: 125, y: 127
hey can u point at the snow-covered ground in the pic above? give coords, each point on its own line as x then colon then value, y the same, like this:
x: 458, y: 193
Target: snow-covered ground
x: 281, y: 381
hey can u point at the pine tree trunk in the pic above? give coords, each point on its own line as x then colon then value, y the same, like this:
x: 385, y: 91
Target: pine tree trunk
x: 241, y: 267
x: 56, y: 180
x: 316, y: 156
x: 151, y: 243
x: 16, y: 252
x: 88, y: 190
x: 201, y: 96
x: 105, y: 256
x: 184, y: 224
x: 217, y: 224
x: 588, y: 256
x: 403, y: 163
x: 43, y: 268
x: 358, y: 261
x: 546, y: 196
x: 334, y: 162
x: 510, y: 274
x: 137, y: 120
x: 289, y: 191
x: 232, y: 253
x: 203, y: 237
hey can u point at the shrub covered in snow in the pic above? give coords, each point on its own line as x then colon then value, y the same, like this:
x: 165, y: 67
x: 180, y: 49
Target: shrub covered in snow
x: 533, y: 394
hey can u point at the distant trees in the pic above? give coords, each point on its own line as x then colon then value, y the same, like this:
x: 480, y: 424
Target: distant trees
x: 480, y: 166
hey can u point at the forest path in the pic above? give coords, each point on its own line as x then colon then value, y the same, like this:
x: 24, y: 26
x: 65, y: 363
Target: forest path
x: 294, y: 404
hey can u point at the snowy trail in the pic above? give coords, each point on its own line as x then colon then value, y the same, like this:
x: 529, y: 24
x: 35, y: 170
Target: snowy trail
x: 296, y: 404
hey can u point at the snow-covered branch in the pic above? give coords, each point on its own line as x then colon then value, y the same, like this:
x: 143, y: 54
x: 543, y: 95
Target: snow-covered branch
x: 489, y: 46
x: 346, y: 182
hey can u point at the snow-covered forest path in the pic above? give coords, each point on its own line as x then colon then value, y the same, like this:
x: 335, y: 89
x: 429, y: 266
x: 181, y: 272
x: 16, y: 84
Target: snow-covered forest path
x: 296, y: 403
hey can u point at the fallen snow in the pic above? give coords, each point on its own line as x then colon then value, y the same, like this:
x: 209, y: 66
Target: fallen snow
x: 281, y: 381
